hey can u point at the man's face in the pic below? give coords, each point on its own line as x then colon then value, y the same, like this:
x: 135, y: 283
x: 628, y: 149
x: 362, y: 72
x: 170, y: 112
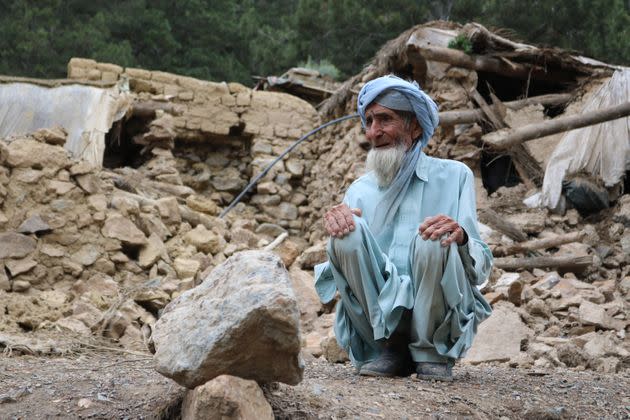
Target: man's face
x: 385, y: 128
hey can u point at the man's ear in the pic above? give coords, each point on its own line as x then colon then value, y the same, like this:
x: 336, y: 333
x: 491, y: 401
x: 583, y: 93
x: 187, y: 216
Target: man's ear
x: 416, y: 129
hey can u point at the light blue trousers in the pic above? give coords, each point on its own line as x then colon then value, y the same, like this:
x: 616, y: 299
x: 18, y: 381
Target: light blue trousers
x: 445, y: 307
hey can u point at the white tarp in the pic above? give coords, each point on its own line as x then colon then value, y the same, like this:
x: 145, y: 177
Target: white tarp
x: 85, y: 112
x: 602, y: 150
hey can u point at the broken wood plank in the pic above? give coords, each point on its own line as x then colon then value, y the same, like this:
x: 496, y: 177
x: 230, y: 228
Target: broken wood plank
x: 538, y: 244
x: 467, y: 116
x: 493, y: 117
x: 505, y: 139
x: 561, y: 264
x: 418, y: 54
x: 500, y: 223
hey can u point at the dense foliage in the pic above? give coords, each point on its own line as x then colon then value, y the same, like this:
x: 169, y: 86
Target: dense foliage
x: 231, y: 40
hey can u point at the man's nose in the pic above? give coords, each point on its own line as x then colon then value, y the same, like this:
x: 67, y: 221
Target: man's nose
x: 374, y: 130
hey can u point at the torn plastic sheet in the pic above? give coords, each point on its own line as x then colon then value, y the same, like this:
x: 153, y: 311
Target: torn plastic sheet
x: 85, y: 112
x: 601, y: 150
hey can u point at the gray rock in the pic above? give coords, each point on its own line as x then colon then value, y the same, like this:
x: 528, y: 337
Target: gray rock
x: 226, y: 398
x: 499, y: 337
x: 89, y: 183
x: 17, y: 267
x: 87, y: 255
x: 34, y: 224
x: 313, y: 255
x: 287, y: 211
x: 16, y: 245
x: 123, y: 229
x: 151, y: 252
x: 270, y: 229
x: 20, y: 286
x: 243, y: 320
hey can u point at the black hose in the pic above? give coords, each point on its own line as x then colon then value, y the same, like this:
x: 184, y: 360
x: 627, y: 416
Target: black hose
x: 276, y: 160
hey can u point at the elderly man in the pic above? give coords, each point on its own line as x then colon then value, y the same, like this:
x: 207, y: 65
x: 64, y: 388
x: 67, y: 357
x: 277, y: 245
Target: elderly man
x: 405, y: 252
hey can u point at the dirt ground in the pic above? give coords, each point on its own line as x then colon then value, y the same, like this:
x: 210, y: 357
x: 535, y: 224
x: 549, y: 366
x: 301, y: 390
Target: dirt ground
x: 95, y: 383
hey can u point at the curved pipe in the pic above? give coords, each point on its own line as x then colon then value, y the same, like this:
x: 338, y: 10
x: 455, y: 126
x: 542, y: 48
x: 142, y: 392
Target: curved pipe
x: 276, y: 160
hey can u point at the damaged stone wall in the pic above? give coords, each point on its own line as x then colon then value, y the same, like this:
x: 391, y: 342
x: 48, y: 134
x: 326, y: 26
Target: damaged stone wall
x: 79, y: 253
x: 221, y: 136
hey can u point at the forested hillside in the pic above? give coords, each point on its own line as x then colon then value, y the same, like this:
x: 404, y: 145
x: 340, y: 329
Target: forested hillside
x: 231, y: 40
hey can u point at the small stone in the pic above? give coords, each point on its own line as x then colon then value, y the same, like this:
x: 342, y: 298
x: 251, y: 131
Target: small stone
x: 186, y: 267
x: 151, y: 251
x: 332, y: 351
x: 20, y: 286
x: 270, y: 229
x: 295, y: 167
x: 204, y: 240
x: 16, y: 245
x: 592, y: 314
x: 287, y: 211
x: 87, y: 255
x: 34, y: 224
x: 59, y: 187
x: 314, y: 255
x: 82, y: 167
x: 169, y: 210
x: 17, y: 267
x: 202, y: 204
x: 499, y: 337
x: 89, y: 183
x: 226, y: 398
x: 119, y: 227
x: 73, y: 324
x: 56, y: 135
x: 97, y: 202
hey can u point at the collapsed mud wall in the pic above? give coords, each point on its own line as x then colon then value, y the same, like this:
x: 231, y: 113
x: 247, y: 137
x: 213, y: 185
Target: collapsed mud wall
x: 221, y: 136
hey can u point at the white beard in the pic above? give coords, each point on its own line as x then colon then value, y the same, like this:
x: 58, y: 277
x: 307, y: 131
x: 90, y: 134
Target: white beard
x: 385, y: 163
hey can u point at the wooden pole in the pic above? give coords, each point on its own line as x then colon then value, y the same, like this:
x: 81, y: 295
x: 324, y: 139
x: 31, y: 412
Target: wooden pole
x: 467, y: 116
x: 538, y: 244
x: 505, y: 139
x: 572, y: 264
x: 500, y: 223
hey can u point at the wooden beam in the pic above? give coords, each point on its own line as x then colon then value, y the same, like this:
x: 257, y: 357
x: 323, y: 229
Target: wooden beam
x: 502, y: 66
x: 563, y: 264
x: 467, y: 116
x: 538, y: 244
x: 500, y: 223
x: 505, y: 139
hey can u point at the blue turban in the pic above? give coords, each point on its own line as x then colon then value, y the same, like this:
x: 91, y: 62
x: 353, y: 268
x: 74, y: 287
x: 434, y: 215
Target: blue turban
x: 423, y: 106
x: 427, y: 115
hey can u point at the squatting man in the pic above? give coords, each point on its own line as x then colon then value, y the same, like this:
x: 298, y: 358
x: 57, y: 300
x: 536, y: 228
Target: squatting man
x: 404, y: 251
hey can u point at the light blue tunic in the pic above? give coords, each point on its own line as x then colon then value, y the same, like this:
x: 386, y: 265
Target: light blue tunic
x: 403, y: 271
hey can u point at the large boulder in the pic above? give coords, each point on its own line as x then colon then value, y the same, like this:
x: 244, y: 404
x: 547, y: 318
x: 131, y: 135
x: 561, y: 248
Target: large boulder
x: 226, y: 398
x: 243, y: 320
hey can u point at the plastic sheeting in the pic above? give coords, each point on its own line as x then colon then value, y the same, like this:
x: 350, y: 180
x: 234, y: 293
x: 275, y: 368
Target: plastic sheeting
x: 602, y: 150
x: 85, y: 112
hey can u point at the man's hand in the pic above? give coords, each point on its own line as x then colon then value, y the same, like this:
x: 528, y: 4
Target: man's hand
x: 338, y: 220
x: 434, y: 227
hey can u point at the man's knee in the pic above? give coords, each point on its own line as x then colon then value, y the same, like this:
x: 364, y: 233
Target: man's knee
x: 428, y: 252
x: 350, y: 242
